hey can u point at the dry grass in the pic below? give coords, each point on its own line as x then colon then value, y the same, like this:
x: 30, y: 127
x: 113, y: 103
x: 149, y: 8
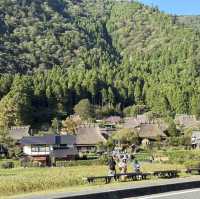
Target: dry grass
x: 20, y: 180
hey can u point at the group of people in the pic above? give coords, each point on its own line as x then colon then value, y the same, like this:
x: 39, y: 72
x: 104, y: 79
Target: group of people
x: 122, y: 164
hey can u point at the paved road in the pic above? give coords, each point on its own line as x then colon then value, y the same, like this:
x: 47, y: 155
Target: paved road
x: 191, y: 194
x: 186, y: 194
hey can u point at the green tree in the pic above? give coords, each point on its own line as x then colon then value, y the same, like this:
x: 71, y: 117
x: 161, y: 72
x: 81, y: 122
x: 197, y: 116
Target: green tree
x: 69, y: 126
x: 126, y: 136
x: 134, y: 110
x: 15, y: 109
x: 8, y: 143
x: 84, y: 109
x: 172, y: 130
x: 56, y: 125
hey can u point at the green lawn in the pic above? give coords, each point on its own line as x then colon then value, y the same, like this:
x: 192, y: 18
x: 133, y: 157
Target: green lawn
x: 20, y: 180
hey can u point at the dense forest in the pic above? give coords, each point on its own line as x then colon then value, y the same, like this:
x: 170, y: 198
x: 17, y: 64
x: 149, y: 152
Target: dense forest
x: 118, y: 54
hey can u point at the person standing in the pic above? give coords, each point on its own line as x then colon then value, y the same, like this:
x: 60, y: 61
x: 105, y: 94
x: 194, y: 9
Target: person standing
x: 112, y: 167
x: 123, y: 168
x: 136, y: 166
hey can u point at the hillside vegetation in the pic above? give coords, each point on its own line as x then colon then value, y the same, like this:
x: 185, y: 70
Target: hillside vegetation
x: 191, y: 21
x: 55, y: 52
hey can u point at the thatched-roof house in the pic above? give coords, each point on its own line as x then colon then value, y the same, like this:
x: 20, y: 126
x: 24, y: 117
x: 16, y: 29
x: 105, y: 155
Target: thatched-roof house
x: 186, y: 121
x: 150, y: 131
x: 113, y: 120
x: 88, y: 137
x: 132, y: 122
x: 18, y: 132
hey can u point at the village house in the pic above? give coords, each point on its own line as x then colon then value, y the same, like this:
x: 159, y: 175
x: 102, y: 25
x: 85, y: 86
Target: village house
x: 186, y: 121
x: 45, y: 148
x: 18, y: 132
x: 151, y: 132
x: 195, y: 140
x: 113, y: 120
x: 133, y: 122
x: 88, y: 137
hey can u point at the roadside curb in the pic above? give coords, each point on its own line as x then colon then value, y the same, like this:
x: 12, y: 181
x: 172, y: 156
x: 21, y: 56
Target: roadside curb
x: 136, y: 191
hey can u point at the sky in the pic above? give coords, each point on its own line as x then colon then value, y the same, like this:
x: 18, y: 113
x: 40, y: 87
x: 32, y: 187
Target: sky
x: 178, y: 7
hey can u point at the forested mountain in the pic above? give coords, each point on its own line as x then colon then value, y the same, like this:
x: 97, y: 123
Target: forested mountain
x: 122, y: 53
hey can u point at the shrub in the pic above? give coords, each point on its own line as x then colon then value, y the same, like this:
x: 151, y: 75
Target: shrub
x: 103, y: 159
x: 174, y: 141
x: 192, y: 164
x: 182, y: 156
x: 79, y: 163
x: 7, y: 165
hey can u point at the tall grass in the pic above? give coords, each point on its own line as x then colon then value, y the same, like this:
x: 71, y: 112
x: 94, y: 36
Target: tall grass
x: 20, y: 180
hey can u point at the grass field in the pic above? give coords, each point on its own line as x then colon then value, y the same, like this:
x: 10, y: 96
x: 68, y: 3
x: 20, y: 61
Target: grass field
x: 20, y: 180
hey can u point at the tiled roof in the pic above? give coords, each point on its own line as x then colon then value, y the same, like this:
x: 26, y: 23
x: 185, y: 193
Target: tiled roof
x: 48, y: 139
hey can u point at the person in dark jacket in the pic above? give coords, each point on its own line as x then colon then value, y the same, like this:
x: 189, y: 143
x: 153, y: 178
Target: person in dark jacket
x: 111, y: 167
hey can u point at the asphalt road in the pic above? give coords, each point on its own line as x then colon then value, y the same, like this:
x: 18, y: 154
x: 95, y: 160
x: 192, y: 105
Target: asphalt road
x: 185, y: 194
x: 178, y: 182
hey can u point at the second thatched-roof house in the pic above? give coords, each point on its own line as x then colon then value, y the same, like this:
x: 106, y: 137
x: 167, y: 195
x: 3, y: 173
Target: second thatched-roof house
x: 150, y: 131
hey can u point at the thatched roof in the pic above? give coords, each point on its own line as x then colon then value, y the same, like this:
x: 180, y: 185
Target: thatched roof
x: 131, y: 122
x: 150, y: 131
x: 18, y: 132
x: 89, y: 136
x: 186, y: 120
x: 113, y: 119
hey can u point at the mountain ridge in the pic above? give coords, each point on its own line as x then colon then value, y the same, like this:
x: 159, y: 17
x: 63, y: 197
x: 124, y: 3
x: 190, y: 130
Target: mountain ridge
x: 111, y: 52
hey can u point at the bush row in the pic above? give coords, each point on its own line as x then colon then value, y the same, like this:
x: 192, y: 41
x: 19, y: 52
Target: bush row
x: 101, y: 161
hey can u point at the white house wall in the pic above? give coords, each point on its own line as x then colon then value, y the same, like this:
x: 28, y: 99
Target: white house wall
x: 27, y: 151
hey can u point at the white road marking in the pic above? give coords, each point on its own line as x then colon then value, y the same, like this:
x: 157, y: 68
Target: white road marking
x: 168, y: 194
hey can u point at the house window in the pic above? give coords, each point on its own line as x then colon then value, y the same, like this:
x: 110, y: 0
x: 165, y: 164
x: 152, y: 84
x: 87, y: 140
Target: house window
x: 34, y: 149
x: 61, y: 146
x: 40, y: 148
